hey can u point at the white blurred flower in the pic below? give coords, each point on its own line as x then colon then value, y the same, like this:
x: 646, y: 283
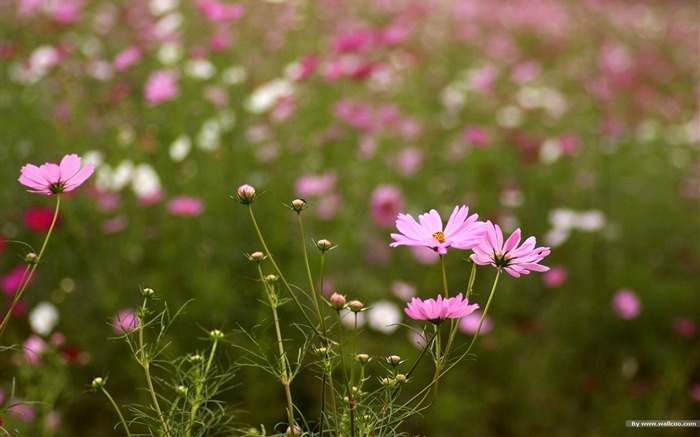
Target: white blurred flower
x: 160, y: 7
x: 384, y: 316
x: 180, y: 148
x: 167, y: 25
x: 550, y: 151
x: 43, y: 318
x: 510, y: 116
x: 591, y: 221
x: 208, y: 137
x: 348, y: 319
x: 556, y: 237
x: 145, y: 181
x: 267, y: 95
x: 233, y: 75
x: 200, y: 69
x: 170, y: 53
x: 563, y: 218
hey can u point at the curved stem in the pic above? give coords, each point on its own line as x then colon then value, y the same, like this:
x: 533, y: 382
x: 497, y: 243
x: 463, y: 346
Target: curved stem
x: 200, y: 386
x: 114, y: 404
x: 29, y: 271
x: 145, y: 363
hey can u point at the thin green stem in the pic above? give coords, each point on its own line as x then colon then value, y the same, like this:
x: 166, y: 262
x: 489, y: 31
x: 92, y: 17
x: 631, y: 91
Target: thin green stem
x: 200, y: 386
x: 444, y: 277
x: 145, y: 363
x: 279, y: 272
x: 345, y: 376
x: 319, y: 310
x: 29, y: 271
x: 114, y: 404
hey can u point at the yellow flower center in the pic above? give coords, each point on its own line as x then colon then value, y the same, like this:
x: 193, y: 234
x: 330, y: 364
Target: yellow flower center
x: 439, y: 236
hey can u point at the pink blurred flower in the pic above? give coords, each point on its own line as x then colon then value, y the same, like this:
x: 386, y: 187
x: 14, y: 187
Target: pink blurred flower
x: 694, y: 392
x: 126, y: 58
x: 626, y: 304
x: 555, y: 277
x: 25, y: 411
x: 385, y: 204
x: 54, y: 179
x: 125, y: 321
x: 684, y: 327
x: 219, y: 42
x: 66, y: 11
x: 3, y: 243
x: 27, y: 8
x: 161, y: 87
x: 11, y: 281
x: 461, y: 232
x: 470, y: 323
x: 408, y: 161
x: 304, y: 67
x: 33, y: 347
x: 315, y: 185
x: 38, y: 218
x: 425, y: 255
x: 475, y: 136
x: 354, y: 41
x: 185, y: 206
x: 525, y: 72
x: 214, y: 10
x: 115, y: 224
x: 438, y: 310
x: 508, y: 256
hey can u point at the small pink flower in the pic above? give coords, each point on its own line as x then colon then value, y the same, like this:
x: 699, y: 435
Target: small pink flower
x: 684, y: 327
x: 38, y: 219
x: 54, y: 179
x: 555, y: 277
x: 11, y: 281
x: 476, y: 136
x: 508, y: 256
x: 33, y: 347
x: 161, y: 87
x: 216, y: 11
x: 470, y: 323
x: 438, y: 310
x: 185, y: 206
x: 626, y: 304
x: 461, y: 232
x: 385, y: 204
x: 125, y: 322
x: 126, y: 58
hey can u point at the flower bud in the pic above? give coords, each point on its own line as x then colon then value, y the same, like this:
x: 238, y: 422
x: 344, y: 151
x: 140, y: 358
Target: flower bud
x: 194, y: 359
x: 216, y: 335
x: 337, y: 301
x: 362, y: 358
x: 181, y: 390
x: 246, y: 194
x: 394, y: 360
x: 298, y: 204
x: 401, y: 378
x: 322, y: 351
x: 356, y: 306
x: 98, y: 382
x: 148, y: 292
x: 256, y: 256
x: 271, y: 278
x: 387, y: 381
x: 324, y: 245
x: 31, y: 258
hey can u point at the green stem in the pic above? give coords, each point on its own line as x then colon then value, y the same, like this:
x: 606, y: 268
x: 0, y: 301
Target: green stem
x: 279, y: 272
x: 200, y: 386
x: 29, y: 271
x: 145, y: 363
x: 345, y: 376
x: 319, y: 310
x: 114, y: 404
x: 444, y: 276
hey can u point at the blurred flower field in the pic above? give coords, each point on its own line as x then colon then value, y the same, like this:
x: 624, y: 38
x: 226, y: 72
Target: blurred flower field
x: 576, y: 121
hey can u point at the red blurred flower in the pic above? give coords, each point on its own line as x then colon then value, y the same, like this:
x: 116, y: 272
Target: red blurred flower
x: 39, y: 218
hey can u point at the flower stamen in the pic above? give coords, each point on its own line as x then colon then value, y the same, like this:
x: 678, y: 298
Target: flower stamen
x: 439, y: 236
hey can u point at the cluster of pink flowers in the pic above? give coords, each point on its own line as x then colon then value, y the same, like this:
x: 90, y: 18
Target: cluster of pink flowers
x: 465, y: 232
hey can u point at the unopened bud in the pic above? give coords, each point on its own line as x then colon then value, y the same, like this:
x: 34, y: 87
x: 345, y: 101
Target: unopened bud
x: 356, y: 306
x: 98, y: 383
x: 322, y: 350
x: 246, y: 194
x: 298, y: 204
x: 387, y: 381
x: 148, y: 292
x: 256, y: 256
x: 31, y: 258
x: 394, y: 360
x: 271, y: 278
x: 181, y: 390
x: 337, y: 301
x: 401, y: 378
x: 362, y: 358
x: 196, y: 358
x: 323, y: 245
x: 216, y: 335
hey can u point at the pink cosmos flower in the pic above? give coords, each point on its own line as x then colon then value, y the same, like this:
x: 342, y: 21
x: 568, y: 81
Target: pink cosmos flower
x: 461, y: 232
x: 54, y: 179
x: 185, y: 206
x: 161, y: 87
x: 33, y: 347
x: 626, y: 304
x: 508, y: 256
x: 556, y: 277
x: 438, y: 310
x: 385, y: 204
x: 125, y: 322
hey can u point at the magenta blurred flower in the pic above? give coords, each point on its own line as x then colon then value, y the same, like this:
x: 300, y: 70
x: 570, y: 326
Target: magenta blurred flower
x: 23, y: 410
x: 438, y: 310
x: 470, y: 323
x: 475, y: 136
x: 11, y: 281
x: 386, y: 203
x: 54, y: 179
x: 216, y: 11
x: 555, y: 277
x: 125, y: 321
x: 33, y: 347
x: 626, y: 304
x: 508, y: 256
x: 185, y: 206
x: 684, y: 327
x: 161, y: 87
x: 126, y: 58
x: 315, y: 185
x: 38, y: 219
x: 461, y: 232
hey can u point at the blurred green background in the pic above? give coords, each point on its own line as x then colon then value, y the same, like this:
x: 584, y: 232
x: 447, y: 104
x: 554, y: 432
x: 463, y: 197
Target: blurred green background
x: 576, y: 121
